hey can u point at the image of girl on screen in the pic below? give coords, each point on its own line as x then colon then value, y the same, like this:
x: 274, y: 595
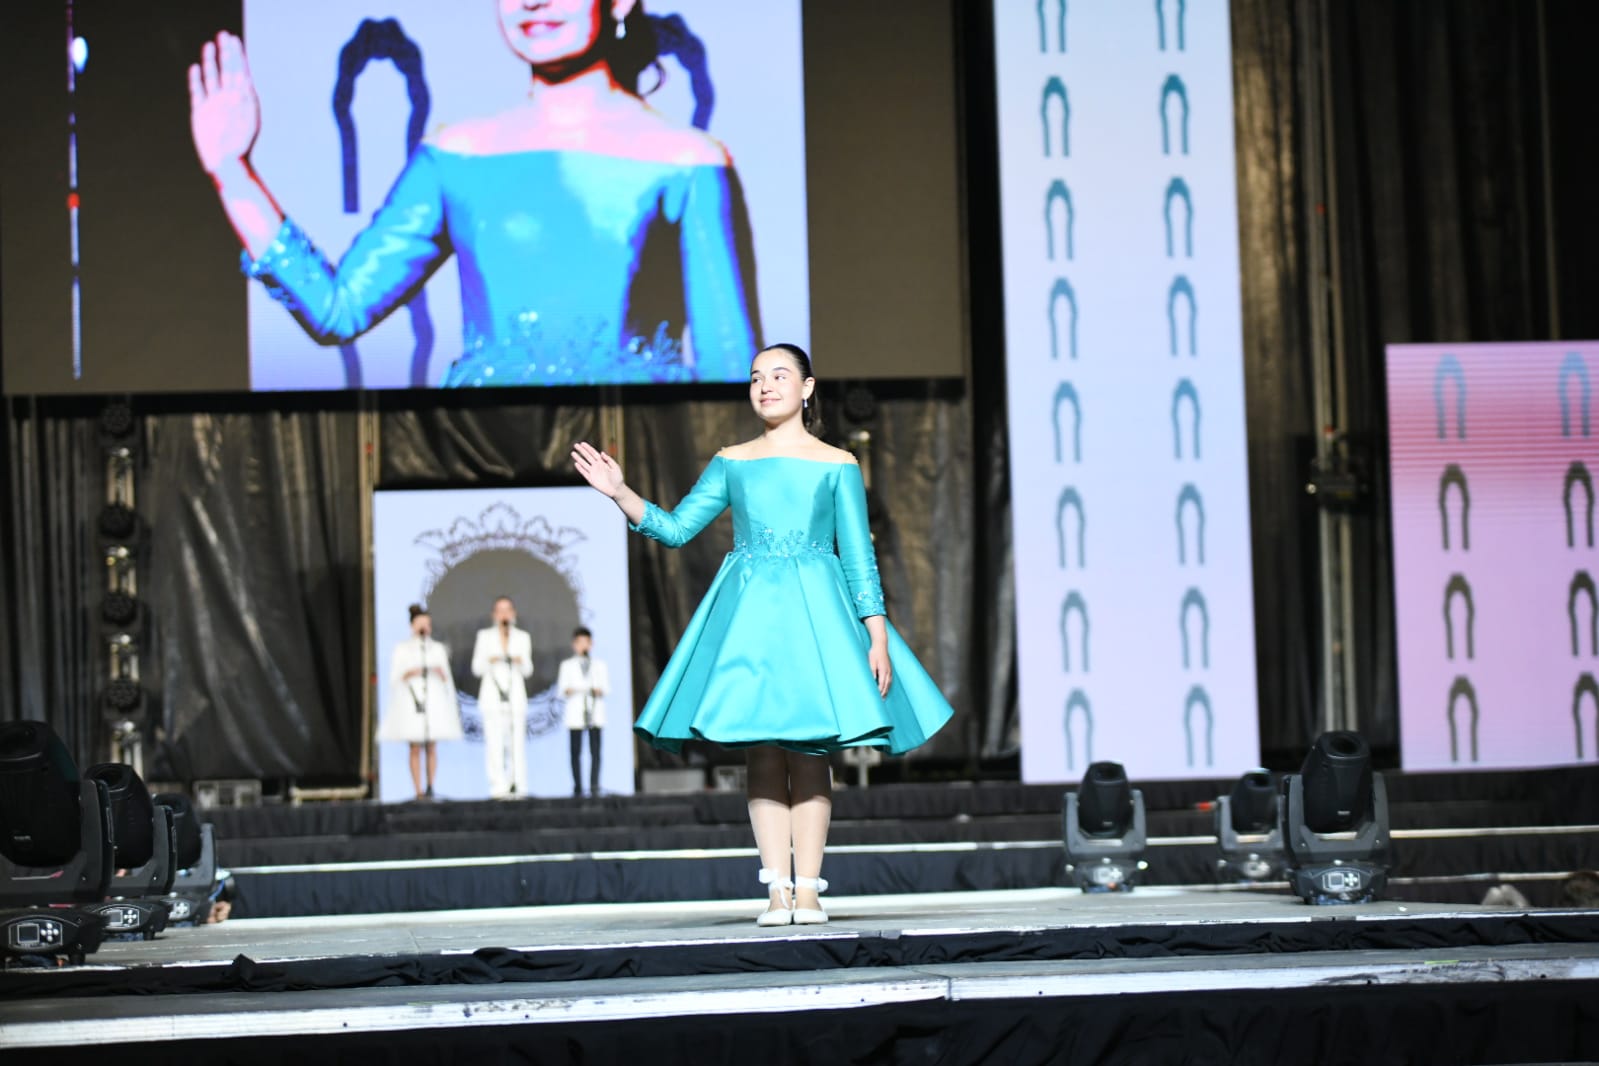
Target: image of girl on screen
x: 597, y: 240
x: 790, y: 655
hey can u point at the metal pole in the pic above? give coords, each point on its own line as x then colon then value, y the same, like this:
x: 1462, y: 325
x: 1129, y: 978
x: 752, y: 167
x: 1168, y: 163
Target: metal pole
x: 1311, y: 27
x: 1346, y: 714
x: 367, y: 442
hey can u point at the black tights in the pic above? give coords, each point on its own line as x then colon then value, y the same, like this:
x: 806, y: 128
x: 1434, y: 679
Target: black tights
x: 594, y: 760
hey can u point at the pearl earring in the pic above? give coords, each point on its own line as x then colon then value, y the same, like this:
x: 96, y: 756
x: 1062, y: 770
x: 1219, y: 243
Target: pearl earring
x: 621, y: 30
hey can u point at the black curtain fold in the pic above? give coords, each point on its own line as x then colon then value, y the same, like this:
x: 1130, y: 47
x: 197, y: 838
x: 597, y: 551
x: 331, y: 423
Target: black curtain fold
x: 255, y: 590
x: 54, y: 660
x: 1279, y: 412
x: 1441, y: 237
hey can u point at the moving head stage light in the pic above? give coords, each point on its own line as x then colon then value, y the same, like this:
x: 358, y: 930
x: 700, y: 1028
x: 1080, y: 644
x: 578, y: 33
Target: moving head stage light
x: 1104, y: 830
x: 1335, y: 823
x: 55, y: 846
x: 196, y: 860
x: 144, y: 846
x: 1248, y: 832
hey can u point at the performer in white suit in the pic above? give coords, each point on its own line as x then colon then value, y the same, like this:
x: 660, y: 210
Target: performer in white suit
x: 423, y: 709
x: 584, y: 681
x: 503, y: 658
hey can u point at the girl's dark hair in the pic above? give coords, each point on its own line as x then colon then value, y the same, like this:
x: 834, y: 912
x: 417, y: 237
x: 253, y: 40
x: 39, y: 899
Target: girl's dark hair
x: 811, y: 415
x: 582, y: 631
x: 635, y: 53
x: 416, y: 609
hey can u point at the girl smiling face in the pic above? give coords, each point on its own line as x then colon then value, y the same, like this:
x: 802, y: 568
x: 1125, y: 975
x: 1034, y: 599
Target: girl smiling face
x: 778, y: 386
x: 552, y: 32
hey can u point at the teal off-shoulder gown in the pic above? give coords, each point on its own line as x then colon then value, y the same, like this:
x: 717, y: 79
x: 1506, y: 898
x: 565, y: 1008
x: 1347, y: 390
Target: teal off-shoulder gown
x: 777, y: 651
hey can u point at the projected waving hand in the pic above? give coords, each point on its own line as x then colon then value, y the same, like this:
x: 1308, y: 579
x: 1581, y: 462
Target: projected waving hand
x: 597, y: 239
x: 225, y: 120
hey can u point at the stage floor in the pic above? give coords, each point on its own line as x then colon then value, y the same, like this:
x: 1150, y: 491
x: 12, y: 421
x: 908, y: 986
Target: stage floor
x: 584, y: 964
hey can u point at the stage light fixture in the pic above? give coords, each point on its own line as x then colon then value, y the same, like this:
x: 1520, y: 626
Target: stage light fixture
x: 190, y: 899
x: 1335, y: 823
x: 44, y: 934
x: 123, y: 699
x: 1247, y: 830
x: 1104, y: 830
x: 120, y: 610
x: 55, y: 846
x: 117, y: 424
x: 144, y: 850
x: 118, y: 522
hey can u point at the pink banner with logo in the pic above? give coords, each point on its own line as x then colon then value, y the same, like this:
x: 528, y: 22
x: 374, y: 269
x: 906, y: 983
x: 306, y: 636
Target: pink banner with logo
x: 1494, y: 450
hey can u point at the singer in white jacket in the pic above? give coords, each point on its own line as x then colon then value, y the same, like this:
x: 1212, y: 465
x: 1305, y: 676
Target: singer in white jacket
x: 503, y: 658
x: 583, y: 682
x: 423, y: 708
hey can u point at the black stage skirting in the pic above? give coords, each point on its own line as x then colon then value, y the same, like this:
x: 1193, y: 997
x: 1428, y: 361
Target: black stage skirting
x: 858, y: 870
x: 1382, y: 1026
x: 1338, y: 931
x: 368, y: 832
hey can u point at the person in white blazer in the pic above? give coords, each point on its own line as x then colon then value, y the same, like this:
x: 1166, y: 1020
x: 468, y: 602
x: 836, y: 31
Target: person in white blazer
x: 423, y: 708
x: 503, y: 658
x: 583, y: 680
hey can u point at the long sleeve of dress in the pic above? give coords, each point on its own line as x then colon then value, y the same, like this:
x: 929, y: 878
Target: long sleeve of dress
x: 719, y: 275
x: 706, y: 500
x: 388, y: 262
x: 855, y: 550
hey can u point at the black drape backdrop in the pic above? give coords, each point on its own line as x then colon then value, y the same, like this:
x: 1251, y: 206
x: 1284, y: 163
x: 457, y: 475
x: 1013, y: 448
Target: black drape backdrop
x: 54, y: 571
x: 255, y: 588
x: 1439, y: 167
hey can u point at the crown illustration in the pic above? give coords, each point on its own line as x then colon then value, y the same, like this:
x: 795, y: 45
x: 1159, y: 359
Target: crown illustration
x: 500, y: 526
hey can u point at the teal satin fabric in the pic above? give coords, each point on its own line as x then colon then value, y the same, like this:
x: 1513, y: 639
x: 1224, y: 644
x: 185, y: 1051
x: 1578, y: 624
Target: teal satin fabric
x: 776, y: 652
x: 575, y: 267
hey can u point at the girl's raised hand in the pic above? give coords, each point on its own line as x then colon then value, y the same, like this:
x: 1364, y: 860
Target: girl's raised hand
x: 224, y: 114
x: 597, y: 468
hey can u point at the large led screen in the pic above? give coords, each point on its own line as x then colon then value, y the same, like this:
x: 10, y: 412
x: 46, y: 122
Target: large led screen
x: 1124, y: 360
x: 491, y: 231
x: 680, y: 182
x: 1493, y: 452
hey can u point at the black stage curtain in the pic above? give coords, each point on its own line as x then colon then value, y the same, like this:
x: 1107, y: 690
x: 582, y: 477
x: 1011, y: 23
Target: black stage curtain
x: 1440, y: 229
x: 53, y: 576
x: 255, y: 588
x: 1277, y: 392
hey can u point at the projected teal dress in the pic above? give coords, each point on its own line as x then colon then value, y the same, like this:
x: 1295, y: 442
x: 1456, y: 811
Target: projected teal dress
x: 776, y: 652
x: 576, y: 267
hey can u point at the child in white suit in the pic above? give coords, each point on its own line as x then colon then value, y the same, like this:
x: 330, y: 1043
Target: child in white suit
x: 584, y: 681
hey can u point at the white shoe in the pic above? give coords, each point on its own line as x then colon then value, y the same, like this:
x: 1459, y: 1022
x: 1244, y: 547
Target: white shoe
x: 783, y: 912
x: 807, y: 915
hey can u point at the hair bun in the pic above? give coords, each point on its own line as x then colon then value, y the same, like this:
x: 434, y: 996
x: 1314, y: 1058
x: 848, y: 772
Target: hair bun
x: 416, y: 609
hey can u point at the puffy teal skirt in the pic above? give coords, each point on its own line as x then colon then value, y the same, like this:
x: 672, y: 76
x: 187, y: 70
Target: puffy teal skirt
x: 776, y: 654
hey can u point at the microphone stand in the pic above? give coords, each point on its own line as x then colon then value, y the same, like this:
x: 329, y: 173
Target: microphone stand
x: 505, y: 697
x: 588, y: 695
x: 427, y: 734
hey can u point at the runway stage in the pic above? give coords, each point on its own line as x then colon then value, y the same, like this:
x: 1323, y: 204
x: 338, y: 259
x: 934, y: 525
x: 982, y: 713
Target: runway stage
x: 1013, y: 976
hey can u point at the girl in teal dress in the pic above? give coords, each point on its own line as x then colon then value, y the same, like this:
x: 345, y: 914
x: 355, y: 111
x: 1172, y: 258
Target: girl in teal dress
x: 789, y: 655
